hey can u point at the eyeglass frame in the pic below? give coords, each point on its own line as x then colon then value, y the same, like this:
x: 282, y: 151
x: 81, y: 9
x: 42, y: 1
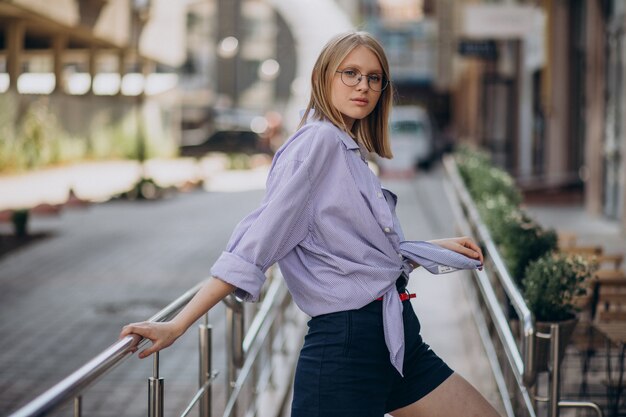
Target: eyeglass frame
x: 360, y: 77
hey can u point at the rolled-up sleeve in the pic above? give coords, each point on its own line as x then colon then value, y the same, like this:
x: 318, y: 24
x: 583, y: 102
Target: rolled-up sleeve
x: 282, y: 220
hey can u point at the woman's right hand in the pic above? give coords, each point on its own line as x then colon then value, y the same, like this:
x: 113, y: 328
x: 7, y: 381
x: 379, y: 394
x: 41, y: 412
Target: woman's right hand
x: 161, y: 335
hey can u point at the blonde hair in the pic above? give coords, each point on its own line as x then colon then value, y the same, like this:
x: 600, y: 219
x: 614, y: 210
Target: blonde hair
x: 371, y: 131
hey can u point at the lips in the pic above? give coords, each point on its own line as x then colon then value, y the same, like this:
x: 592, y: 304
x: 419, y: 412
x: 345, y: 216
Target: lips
x: 360, y: 101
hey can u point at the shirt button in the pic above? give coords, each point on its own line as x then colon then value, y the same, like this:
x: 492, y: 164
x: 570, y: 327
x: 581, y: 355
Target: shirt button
x: 387, y: 230
x: 380, y: 195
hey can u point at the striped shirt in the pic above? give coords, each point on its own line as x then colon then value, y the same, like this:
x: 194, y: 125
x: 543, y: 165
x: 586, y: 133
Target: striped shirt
x: 333, y: 230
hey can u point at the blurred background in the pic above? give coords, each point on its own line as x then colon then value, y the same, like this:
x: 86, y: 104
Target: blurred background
x: 538, y: 83
x: 182, y: 103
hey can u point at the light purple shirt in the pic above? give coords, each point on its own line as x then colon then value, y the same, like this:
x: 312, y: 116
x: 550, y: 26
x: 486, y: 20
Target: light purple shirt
x: 333, y: 230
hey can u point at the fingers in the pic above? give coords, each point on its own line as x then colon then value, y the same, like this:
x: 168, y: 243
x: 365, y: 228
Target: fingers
x: 471, y: 249
x: 160, y: 334
x: 149, y: 351
x: 138, y: 331
x: 144, y: 329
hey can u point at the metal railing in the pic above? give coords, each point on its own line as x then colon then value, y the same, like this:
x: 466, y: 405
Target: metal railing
x: 512, y: 356
x: 244, y: 349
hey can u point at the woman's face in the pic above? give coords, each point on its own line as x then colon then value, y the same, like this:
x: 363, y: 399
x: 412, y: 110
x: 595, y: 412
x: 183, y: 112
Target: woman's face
x: 356, y: 102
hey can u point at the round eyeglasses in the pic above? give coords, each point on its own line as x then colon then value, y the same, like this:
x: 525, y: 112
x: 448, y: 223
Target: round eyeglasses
x: 352, y: 77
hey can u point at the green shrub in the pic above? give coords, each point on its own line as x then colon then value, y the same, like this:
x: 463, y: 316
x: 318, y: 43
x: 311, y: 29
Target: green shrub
x: 520, y: 240
x: 483, y: 180
x: 552, y: 282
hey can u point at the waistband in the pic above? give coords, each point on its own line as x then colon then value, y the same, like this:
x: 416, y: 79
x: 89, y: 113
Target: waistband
x: 401, y: 284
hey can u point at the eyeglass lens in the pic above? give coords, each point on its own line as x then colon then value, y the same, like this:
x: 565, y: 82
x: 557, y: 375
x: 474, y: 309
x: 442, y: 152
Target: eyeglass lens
x: 352, y: 77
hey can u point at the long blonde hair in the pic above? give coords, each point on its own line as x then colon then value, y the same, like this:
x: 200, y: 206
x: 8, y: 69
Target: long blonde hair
x: 371, y: 131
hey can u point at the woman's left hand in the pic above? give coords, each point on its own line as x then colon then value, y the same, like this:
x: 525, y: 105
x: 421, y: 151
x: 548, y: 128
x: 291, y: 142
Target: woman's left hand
x: 463, y: 245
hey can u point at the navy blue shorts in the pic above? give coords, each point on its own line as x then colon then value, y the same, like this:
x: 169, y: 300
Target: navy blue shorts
x: 344, y: 367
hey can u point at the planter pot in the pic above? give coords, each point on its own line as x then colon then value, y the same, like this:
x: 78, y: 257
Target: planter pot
x: 542, y: 346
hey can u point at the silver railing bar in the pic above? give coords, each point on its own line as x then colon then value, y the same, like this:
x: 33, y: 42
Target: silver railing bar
x: 76, y: 382
x: 483, y: 331
x: 199, y: 394
x: 527, y: 369
x: 524, y: 367
x: 501, y: 324
x: 251, y: 357
x: 492, y: 356
x: 78, y: 406
x: 175, y: 306
x: 262, y: 313
x: 71, y: 386
x: 582, y: 404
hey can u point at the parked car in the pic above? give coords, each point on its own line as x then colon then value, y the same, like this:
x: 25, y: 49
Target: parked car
x: 412, y: 140
x: 228, y: 141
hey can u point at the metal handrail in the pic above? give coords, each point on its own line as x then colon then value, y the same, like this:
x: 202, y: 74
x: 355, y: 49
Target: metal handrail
x: 522, y: 363
x: 254, y: 340
x: 246, y: 347
x: 74, y: 384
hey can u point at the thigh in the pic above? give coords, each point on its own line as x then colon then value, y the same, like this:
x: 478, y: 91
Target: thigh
x: 336, y: 374
x: 455, y: 397
x: 423, y: 369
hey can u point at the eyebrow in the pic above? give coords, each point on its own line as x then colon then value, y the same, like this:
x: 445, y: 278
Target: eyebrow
x: 354, y: 66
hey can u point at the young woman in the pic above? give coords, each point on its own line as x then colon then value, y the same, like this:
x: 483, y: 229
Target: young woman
x: 332, y: 229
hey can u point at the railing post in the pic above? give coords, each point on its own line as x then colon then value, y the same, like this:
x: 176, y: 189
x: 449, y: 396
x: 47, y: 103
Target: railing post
x: 555, y: 370
x: 205, y: 374
x: 155, y: 390
x: 78, y: 406
x: 234, y: 341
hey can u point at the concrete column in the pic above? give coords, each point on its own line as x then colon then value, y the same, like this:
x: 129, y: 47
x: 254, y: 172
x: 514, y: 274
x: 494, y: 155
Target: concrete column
x: 524, y: 148
x: 15, y: 44
x: 445, y: 44
x: 622, y: 214
x: 93, y: 70
x: 467, y: 102
x: 59, y: 44
x: 121, y: 68
x: 147, y: 67
x: 228, y: 24
x: 557, y: 100
x: 595, y: 84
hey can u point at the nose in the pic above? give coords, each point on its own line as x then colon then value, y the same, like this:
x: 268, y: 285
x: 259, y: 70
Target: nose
x: 360, y: 85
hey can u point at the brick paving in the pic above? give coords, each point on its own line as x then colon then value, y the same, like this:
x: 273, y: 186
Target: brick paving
x: 64, y: 299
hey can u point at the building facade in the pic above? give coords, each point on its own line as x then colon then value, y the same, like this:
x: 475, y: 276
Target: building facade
x: 541, y: 85
x: 88, y: 79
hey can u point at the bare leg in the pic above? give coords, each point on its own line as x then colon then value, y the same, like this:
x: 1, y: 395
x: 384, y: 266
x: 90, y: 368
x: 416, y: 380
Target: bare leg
x: 455, y: 397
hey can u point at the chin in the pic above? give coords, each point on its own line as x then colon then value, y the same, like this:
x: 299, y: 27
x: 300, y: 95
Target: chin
x: 360, y: 114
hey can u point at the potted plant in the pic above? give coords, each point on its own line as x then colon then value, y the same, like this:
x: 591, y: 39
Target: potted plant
x: 519, y: 238
x: 551, y: 286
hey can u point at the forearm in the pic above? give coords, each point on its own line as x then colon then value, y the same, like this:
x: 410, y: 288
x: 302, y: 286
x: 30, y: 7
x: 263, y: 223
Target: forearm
x: 211, y: 293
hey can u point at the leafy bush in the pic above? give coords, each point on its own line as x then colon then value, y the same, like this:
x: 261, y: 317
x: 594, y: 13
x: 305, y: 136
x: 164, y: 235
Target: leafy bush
x: 552, y: 282
x: 519, y: 239
x: 484, y: 180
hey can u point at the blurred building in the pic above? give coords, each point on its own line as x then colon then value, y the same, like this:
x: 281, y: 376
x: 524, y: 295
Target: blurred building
x: 135, y: 78
x: 239, y: 68
x: 541, y: 84
x: 95, y: 76
x: 409, y: 31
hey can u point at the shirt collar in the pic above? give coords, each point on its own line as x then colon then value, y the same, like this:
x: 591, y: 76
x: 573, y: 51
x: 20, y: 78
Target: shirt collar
x: 345, y: 138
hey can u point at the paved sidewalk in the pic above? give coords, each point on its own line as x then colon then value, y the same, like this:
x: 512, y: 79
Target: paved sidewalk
x: 99, y: 181
x: 590, y: 230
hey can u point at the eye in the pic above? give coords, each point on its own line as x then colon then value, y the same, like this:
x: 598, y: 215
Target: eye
x: 349, y: 73
x: 375, y: 78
